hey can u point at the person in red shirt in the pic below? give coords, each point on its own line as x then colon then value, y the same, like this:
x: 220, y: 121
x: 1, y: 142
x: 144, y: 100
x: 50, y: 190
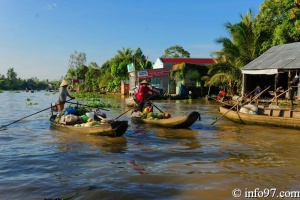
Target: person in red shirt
x: 221, y: 95
x: 143, y: 94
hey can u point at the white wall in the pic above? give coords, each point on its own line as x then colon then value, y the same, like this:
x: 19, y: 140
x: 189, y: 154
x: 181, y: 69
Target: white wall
x: 158, y: 64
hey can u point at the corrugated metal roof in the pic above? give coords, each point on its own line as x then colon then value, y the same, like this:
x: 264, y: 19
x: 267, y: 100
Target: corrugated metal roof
x: 286, y: 56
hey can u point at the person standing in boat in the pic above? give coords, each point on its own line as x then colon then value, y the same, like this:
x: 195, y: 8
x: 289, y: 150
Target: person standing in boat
x: 63, y: 93
x: 221, y: 95
x: 143, y: 94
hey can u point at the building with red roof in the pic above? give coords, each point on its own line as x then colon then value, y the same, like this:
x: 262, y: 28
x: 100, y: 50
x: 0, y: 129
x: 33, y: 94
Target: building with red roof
x: 173, y: 64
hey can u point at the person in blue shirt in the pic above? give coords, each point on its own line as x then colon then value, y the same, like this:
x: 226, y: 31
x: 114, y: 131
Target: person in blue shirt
x: 257, y: 91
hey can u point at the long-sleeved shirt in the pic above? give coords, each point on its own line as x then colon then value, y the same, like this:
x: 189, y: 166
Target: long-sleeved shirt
x: 142, y: 94
x: 63, y: 93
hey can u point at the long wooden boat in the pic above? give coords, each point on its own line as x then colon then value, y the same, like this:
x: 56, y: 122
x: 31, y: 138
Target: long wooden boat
x: 173, y: 122
x: 115, y: 128
x: 280, y: 117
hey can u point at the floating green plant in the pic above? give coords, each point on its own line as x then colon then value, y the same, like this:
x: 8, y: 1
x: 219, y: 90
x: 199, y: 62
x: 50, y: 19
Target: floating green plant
x: 31, y: 104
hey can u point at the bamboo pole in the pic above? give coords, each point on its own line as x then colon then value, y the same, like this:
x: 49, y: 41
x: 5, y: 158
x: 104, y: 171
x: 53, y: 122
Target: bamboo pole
x: 254, y: 98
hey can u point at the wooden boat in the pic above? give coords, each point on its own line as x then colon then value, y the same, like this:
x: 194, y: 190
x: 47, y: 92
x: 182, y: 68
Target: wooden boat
x: 113, y: 129
x: 281, y: 117
x: 173, y: 122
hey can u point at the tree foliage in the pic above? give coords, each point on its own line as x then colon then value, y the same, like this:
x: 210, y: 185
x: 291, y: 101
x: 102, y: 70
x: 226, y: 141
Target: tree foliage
x: 278, y: 23
x: 237, y: 51
x: 77, y: 60
x: 176, y: 52
x: 141, y: 61
x: 12, y: 82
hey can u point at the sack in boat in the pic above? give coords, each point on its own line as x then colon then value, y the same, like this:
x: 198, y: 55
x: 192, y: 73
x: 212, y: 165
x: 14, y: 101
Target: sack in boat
x: 136, y: 114
x: 249, y: 109
x: 89, y: 124
x: 71, y: 118
x: 99, y: 114
x: 84, y: 118
x: 62, y: 119
x: 90, y: 114
x: 71, y: 110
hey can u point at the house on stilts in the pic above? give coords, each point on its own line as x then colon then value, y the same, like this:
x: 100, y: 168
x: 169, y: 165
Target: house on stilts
x: 278, y: 66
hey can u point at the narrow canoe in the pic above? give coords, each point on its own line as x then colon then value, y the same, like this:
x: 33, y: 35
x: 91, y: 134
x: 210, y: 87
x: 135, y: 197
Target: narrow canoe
x: 279, y: 117
x: 114, y: 129
x: 173, y: 122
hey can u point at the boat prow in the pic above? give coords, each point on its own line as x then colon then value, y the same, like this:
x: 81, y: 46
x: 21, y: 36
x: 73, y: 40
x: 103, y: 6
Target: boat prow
x: 173, y: 122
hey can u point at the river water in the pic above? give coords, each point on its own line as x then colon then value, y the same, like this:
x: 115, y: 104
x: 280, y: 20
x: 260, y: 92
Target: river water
x: 203, y: 162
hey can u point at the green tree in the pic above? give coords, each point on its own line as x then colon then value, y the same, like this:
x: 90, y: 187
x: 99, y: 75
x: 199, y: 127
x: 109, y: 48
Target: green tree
x: 278, y: 23
x: 120, y: 61
x: 77, y: 60
x: 11, y: 74
x: 12, y: 79
x: 77, y: 67
x: 242, y: 48
x: 141, y: 61
x: 176, y: 52
x: 91, y: 77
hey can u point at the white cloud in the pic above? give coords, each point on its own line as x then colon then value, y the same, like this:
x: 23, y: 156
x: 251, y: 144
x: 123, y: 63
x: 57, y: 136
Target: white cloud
x: 50, y: 6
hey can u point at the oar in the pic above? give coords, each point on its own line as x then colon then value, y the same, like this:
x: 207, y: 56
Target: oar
x: 279, y: 95
x: 88, y: 106
x: 156, y: 107
x: 132, y: 108
x: 30, y: 115
x: 255, y: 97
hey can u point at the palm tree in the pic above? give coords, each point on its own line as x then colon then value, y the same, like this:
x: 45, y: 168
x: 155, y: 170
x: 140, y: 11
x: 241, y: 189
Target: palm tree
x: 125, y: 54
x: 242, y: 48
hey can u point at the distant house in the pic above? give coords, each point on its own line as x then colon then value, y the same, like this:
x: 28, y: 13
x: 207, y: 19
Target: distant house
x: 165, y: 82
x: 278, y: 66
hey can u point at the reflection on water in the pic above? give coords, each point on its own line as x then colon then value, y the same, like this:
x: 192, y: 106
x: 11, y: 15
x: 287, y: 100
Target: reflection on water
x: 74, y: 141
x: 203, y: 162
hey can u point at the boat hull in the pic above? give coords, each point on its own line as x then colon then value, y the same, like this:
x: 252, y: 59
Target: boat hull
x: 114, y: 129
x: 174, y: 122
x: 269, y: 117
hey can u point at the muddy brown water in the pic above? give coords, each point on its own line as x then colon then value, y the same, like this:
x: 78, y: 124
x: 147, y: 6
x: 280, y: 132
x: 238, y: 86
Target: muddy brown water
x: 203, y: 162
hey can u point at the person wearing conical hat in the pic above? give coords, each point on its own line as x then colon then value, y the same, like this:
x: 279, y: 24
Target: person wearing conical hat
x: 143, y: 94
x: 63, y: 93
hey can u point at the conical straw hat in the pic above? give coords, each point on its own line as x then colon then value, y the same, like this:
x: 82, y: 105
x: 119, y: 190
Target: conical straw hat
x: 64, y: 83
x: 144, y: 82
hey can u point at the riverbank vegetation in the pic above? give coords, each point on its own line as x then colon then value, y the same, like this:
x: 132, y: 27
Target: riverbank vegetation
x: 277, y: 23
x: 12, y: 82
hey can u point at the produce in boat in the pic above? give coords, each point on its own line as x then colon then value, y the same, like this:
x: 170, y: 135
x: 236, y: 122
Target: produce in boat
x: 87, y: 121
x: 165, y: 119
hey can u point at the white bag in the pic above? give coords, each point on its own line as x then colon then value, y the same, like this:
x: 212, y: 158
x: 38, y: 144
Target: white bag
x: 71, y: 118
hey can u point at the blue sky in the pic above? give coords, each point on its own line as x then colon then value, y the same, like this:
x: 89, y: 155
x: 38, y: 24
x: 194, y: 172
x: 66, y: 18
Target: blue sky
x: 38, y: 36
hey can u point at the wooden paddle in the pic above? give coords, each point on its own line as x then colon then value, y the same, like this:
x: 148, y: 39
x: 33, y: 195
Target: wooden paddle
x: 31, y: 115
x: 254, y: 98
x: 156, y: 107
